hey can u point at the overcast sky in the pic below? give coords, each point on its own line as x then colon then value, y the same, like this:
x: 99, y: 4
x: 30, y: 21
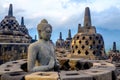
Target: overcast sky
x: 66, y: 14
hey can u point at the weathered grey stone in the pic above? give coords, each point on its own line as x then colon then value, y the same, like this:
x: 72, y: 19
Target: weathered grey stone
x: 13, y: 76
x: 99, y: 74
x: 99, y: 70
x: 14, y: 38
x: 41, y: 55
x: 94, y: 68
x: 42, y: 76
x: 10, y: 12
x: 74, y: 75
x: 102, y: 65
x: 87, y: 43
x: 87, y: 18
x: 12, y: 66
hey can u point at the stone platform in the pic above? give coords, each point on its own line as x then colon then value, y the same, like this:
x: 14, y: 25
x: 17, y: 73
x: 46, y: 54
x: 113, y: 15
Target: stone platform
x: 70, y: 69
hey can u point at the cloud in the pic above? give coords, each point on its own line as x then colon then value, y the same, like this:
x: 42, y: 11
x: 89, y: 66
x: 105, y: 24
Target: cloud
x: 64, y: 13
x: 108, y: 19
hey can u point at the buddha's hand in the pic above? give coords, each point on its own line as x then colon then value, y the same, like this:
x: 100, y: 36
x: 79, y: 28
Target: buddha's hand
x: 51, y: 62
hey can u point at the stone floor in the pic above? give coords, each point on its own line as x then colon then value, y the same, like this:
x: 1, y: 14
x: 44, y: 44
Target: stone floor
x: 70, y: 69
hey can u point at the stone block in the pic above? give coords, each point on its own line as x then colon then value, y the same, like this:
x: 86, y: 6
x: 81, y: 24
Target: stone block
x: 103, y: 65
x: 74, y: 75
x: 13, y: 76
x: 99, y: 74
x: 42, y: 76
x: 12, y: 66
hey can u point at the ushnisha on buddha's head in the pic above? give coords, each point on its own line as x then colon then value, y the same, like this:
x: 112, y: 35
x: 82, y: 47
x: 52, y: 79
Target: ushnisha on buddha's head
x: 44, y: 30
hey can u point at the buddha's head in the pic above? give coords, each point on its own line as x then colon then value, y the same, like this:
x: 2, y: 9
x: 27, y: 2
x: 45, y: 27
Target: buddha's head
x: 44, y: 30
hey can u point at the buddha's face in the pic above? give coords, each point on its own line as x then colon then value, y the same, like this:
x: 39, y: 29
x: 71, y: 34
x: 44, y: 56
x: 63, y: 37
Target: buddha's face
x: 46, y: 33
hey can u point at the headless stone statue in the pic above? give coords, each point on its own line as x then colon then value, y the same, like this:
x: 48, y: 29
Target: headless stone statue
x: 41, y: 56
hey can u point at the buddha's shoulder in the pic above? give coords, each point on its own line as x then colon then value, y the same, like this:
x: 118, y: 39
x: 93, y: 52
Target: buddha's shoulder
x: 35, y: 44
